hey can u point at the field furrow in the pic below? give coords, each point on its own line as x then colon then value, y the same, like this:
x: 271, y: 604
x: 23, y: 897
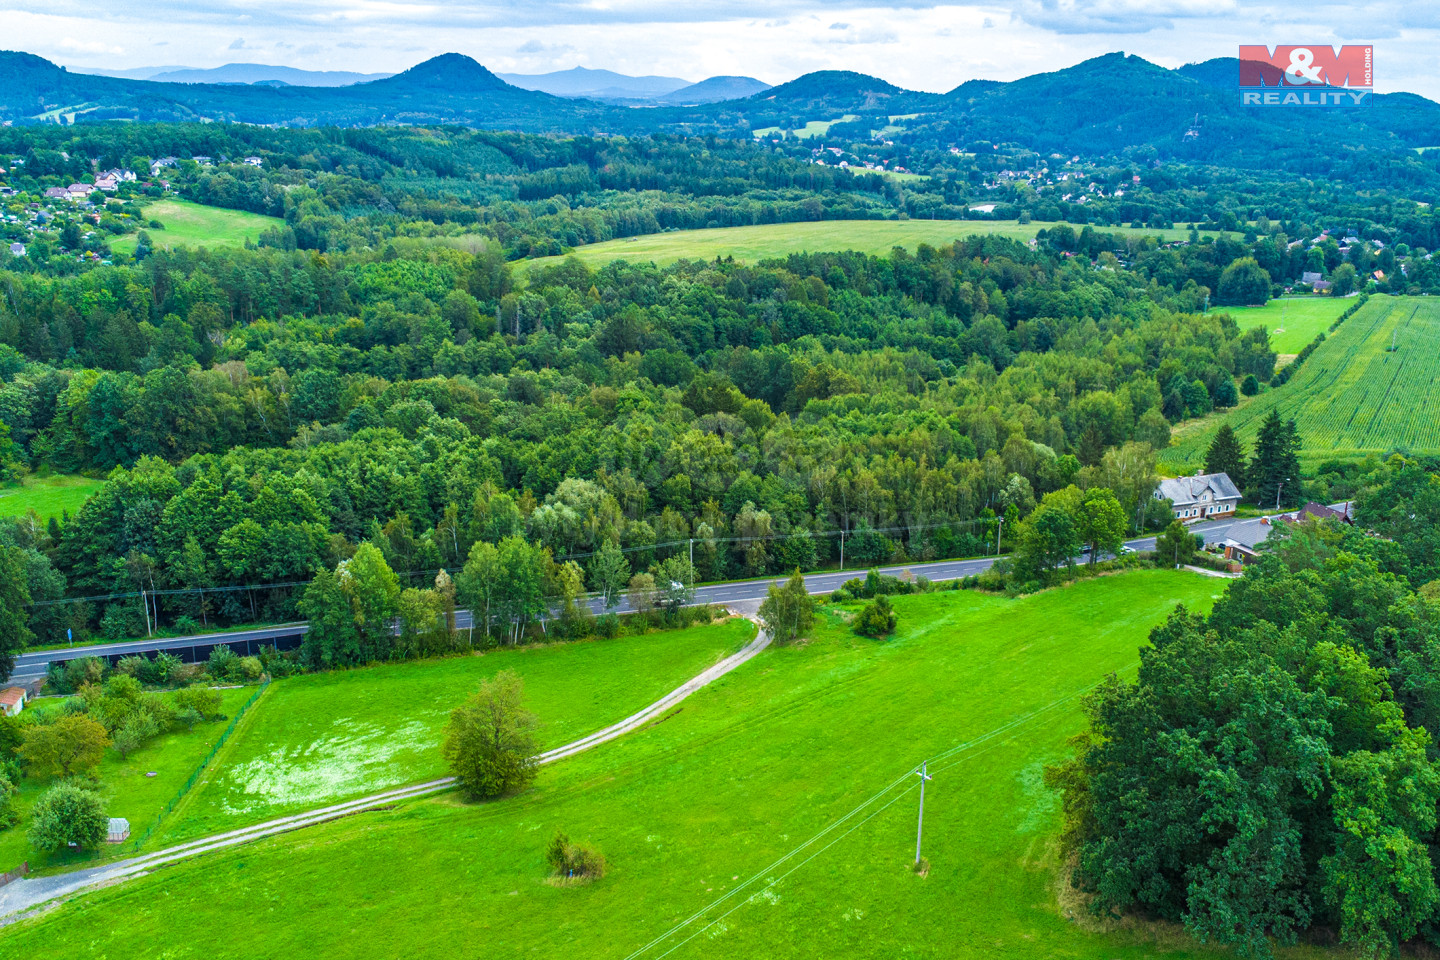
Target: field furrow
x: 1368, y: 389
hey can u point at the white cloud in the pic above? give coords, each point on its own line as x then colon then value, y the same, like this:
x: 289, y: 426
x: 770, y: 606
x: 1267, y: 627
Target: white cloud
x: 90, y: 46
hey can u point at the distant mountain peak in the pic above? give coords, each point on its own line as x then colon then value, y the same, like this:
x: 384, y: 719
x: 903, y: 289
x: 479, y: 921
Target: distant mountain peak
x: 447, y: 71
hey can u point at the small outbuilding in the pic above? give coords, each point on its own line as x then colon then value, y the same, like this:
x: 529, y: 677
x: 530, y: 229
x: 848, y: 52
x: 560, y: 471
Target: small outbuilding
x: 12, y: 700
x: 119, y: 830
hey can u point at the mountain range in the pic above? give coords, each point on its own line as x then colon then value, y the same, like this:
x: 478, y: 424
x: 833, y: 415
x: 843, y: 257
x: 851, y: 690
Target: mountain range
x: 247, y: 73
x: 1107, y: 105
x: 609, y: 86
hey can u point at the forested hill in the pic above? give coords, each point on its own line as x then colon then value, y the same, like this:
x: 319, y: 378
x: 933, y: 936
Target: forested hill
x: 1110, y: 105
x: 448, y: 89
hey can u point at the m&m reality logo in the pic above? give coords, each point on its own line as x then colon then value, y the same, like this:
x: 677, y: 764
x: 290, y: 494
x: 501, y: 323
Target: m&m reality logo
x: 1309, y: 76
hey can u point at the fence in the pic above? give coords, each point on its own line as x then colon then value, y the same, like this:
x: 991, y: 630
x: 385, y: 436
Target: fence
x: 15, y: 874
x: 195, y: 777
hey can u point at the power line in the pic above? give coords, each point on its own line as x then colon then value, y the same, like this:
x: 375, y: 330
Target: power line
x: 904, y: 780
x: 429, y: 574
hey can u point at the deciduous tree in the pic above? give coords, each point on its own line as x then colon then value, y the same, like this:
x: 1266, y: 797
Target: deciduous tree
x: 490, y: 743
x: 70, y: 745
x: 788, y: 611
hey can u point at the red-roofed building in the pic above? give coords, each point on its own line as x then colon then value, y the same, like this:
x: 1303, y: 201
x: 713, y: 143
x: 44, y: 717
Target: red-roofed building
x: 12, y: 700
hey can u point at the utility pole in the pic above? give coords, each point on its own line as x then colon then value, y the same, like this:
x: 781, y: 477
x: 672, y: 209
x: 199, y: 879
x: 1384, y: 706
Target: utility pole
x: 1277, y: 492
x: 692, y: 555
x: 998, y: 531
x: 842, y: 550
x: 920, y: 826
x: 145, y: 601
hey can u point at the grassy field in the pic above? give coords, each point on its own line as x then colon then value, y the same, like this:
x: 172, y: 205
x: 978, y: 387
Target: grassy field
x: 196, y: 225
x: 134, y: 796
x: 781, y: 239
x: 325, y: 737
x: 1292, y: 321
x: 48, y: 496
x: 773, y: 815
x: 812, y: 128
x: 1353, y: 397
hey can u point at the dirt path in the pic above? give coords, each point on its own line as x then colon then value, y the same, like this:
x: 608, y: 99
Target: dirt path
x: 22, y: 896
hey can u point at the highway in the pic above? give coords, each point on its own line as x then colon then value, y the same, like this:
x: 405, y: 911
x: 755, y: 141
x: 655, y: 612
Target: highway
x: 31, y: 667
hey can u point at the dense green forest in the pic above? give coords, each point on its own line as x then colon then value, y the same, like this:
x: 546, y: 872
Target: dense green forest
x: 1272, y: 776
x: 352, y: 189
x: 377, y: 372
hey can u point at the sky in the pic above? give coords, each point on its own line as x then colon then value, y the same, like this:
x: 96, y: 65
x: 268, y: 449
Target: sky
x: 918, y: 45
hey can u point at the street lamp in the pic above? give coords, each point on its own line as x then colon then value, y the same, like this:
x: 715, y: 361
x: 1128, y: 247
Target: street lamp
x: 1278, y: 488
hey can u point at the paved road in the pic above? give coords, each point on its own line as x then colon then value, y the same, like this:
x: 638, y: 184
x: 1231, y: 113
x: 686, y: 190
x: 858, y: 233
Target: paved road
x: 31, y: 667
x: 22, y: 895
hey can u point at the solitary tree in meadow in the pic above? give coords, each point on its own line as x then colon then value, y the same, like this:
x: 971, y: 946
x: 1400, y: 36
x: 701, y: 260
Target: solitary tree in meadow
x: 490, y: 743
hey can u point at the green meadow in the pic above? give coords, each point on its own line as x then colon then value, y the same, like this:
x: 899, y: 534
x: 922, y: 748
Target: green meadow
x: 1292, y: 321
x: 321, y: 738
x: 196, y: 225
x: 1355, y: 395
x: 773, y: 814
x: 47, y: 496
x: 812, y: 128
x: 763, y: 241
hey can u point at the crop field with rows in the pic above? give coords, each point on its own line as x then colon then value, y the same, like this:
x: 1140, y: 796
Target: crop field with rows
x: 1370, y: 388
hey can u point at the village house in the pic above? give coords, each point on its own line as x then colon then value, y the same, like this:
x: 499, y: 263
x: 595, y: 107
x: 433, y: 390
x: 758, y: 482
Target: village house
x: 1243, y: 539
x: 79, y: 191
x: 17, y: 249
x: 57, y: 193
x: 1203, y: 495
x: 106, y: 183
x: 255, y: 161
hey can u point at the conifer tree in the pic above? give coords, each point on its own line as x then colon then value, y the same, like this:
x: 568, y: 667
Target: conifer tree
x: 1226, y: 455
x: 1275, y: 467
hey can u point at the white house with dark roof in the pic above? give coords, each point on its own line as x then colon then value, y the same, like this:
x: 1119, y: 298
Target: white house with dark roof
x: 1201, y: 496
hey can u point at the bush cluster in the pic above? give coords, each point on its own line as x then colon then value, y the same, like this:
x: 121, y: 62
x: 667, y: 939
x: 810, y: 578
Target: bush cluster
x: 574, y: 861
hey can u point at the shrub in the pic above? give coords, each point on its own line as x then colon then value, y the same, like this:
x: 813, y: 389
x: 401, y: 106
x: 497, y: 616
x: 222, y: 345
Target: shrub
x: 9, y: 816
x: 167, y: 667
x: 203, y: 700
x: 131, y: 666
x: 79, y: 672
x: 134, y: 732
x: 250, y: 668
x: 574, y: 861
x: 67, y: 814
x: 877, y: 619
x: 223, y: 662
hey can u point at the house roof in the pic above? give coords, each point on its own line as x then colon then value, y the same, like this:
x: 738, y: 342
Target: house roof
x: 1183, y: 490
x: 10, y: 696
x: 1335, y: 511
x: 1248, y: 533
